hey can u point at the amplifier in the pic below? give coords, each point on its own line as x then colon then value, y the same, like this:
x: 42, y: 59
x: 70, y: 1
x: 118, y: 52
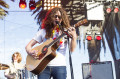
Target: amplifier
x: 99, y: 70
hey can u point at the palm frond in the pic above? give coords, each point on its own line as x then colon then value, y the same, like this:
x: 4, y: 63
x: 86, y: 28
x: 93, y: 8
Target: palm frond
x: 40, y: 12
x: 39, y: 3
x: 4, y: 4
x: 3, y: 12
x: 36, y: 10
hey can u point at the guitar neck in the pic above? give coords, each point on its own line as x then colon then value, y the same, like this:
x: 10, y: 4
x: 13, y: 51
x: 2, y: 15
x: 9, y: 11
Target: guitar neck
x: 80, y: 23
x: 62, y: 35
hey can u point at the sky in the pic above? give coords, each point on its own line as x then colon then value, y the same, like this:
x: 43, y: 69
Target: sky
x: 19, y: 27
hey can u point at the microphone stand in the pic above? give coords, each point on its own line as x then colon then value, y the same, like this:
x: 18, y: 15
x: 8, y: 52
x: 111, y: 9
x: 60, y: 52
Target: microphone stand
x: 70, y: 61
x: 70, y: 58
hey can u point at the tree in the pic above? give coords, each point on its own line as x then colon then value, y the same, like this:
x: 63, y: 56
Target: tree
x: 3, y: 6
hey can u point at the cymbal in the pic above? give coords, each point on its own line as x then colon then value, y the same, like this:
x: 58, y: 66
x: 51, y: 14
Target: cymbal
x: 3, y: 66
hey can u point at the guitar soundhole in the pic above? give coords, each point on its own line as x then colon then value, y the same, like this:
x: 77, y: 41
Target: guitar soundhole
x: 45, y: 49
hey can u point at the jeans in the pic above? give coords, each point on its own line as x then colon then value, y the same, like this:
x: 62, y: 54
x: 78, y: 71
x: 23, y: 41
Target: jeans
x: 56, y: 72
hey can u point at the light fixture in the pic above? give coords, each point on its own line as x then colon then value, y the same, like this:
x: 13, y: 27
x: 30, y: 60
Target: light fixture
x: 98, y: 36
x: 22, y: 4
x: 116, y: 9
x: 89, y: 36
x: 48, y: 4
x: 32, y: 5
x: 108, y: 9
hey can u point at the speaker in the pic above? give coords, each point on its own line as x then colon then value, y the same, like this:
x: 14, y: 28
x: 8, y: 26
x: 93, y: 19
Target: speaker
x: 99, y: 70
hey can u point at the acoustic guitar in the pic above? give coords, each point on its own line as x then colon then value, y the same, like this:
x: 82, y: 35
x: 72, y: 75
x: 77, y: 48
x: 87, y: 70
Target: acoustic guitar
x: 46, y: 53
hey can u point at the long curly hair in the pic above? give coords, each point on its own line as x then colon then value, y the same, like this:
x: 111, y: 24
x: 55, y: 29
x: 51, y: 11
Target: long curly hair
x: 47, y: 23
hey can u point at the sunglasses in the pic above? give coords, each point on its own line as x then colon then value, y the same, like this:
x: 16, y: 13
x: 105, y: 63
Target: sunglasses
x: 58, y: 16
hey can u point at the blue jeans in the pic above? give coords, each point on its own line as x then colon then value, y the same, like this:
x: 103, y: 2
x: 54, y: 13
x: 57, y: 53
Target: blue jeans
x: 57, y: 72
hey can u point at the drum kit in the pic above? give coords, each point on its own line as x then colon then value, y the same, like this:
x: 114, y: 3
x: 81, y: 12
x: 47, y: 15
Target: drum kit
x: 3, y: 66
x: 23, y: 73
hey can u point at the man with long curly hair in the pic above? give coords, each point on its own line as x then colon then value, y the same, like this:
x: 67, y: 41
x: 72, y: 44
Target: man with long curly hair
x: 53, y: 25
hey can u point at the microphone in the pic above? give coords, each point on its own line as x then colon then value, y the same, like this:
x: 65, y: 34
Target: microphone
x: 57, y: 22
x: 66, y: 32
x: 89, y: 76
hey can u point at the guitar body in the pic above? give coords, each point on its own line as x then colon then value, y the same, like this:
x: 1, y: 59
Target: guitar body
x: 37, y: 66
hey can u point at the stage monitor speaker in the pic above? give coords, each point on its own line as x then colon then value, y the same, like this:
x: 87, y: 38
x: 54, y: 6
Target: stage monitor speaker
x: 99, y: 70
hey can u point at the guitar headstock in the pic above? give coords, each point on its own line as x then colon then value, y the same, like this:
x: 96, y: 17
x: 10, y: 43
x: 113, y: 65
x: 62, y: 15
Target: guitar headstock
x: 81, y: 22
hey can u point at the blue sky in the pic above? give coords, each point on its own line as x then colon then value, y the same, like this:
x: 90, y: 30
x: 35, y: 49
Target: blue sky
x: 18, y: 28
